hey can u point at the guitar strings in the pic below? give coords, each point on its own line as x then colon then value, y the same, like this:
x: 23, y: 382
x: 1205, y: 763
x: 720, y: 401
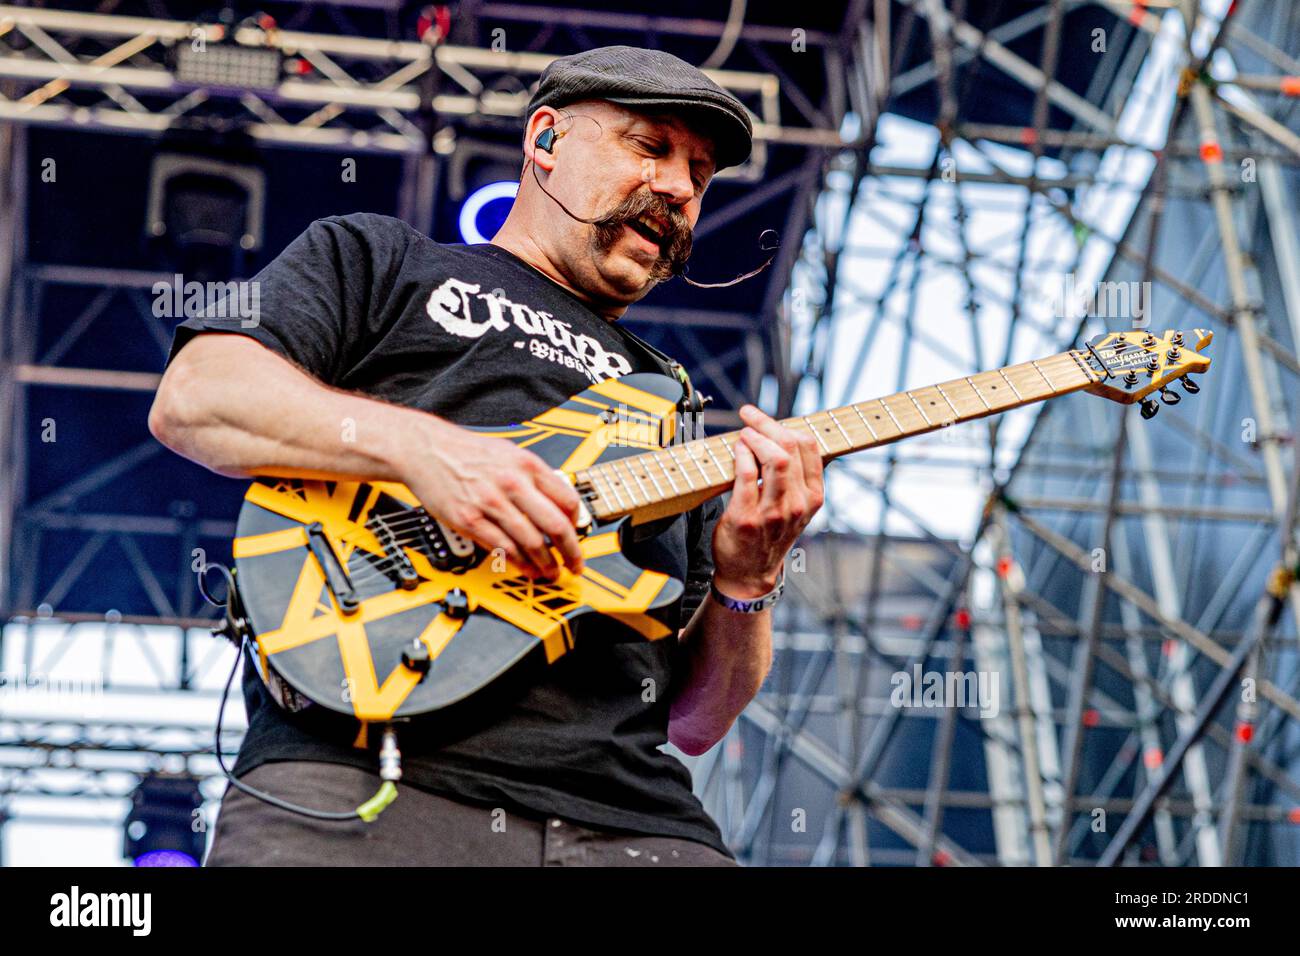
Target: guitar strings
x: 401, y: 537
x: 401, y: 523
x: 607, y: 471
x: 1051, y: 364
x: 372, y: 571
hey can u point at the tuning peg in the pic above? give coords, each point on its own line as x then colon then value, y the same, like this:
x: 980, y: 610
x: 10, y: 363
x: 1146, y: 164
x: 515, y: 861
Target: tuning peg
x: 1190, y: 387
x: 1169, y: 397
x: 1149, y: 408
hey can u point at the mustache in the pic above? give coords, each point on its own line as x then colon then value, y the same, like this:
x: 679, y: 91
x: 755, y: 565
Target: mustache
x: 675, y: 247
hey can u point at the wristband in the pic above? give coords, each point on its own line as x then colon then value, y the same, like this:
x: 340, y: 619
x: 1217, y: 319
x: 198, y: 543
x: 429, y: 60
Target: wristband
x: 753, y: 605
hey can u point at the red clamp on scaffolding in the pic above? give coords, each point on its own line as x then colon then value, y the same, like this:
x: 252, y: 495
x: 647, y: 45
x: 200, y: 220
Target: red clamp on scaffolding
x: 434, y: 24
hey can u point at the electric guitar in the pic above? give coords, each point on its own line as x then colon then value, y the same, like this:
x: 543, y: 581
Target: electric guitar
x: 354, y: 598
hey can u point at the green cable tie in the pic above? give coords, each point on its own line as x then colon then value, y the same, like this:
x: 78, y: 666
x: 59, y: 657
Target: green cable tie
x: 375, y: 805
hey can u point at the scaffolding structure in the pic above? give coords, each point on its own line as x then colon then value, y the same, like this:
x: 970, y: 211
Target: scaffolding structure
x: 1133, y: 582
x: 1132, y: 585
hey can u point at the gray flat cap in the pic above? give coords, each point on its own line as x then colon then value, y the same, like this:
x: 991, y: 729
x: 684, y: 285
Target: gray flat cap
x: 649, y: 78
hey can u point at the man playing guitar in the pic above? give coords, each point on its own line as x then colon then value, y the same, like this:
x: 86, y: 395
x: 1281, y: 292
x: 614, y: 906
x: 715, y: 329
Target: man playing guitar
x: 375, y: 346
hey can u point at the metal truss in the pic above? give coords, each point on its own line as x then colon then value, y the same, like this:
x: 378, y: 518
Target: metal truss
x: 74, y: 749
x: 359, y: 94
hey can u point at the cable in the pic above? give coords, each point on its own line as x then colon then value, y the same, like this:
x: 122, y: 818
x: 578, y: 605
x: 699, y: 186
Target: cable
x: 203, y: 584
x: 387, y: 792
x: 730, y: 34
x: 253, y: 791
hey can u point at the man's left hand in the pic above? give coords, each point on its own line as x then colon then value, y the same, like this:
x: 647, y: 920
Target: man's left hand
x: 761, y: 522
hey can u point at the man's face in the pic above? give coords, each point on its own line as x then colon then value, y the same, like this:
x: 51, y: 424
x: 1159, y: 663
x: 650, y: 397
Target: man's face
x: 645, y: 176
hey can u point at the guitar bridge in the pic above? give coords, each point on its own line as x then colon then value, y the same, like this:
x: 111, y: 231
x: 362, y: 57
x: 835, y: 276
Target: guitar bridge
x: 396, y: 564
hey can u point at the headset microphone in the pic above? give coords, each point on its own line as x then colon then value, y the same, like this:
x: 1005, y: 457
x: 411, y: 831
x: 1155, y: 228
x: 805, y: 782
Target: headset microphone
x: 768, y: 241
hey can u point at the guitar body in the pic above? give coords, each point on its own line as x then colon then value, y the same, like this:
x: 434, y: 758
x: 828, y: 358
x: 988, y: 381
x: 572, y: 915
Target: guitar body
x: 361, y: 603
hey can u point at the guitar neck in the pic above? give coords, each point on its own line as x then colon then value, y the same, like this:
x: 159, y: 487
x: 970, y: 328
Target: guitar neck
x: 681, y: 476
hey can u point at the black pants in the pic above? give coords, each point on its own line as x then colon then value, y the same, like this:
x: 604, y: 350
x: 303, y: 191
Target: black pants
x: 417, y: 829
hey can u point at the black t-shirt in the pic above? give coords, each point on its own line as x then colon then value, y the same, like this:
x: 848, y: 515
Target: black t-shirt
x: 475, y: 335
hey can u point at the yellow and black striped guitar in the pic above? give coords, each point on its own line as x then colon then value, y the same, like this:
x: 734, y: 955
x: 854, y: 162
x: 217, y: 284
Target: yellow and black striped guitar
x: 355, y: 599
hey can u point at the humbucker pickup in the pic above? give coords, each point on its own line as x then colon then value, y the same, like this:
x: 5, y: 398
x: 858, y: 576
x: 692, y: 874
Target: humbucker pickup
x: 447, y: 549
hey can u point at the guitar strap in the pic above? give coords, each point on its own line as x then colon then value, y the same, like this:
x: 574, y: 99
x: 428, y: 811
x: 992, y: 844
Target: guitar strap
x: 692, y: 401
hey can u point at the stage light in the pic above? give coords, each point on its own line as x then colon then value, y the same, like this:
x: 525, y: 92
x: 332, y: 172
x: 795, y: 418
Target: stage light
x: 165, y: 858
x: 164, y: 827
x: 485, y: 210
x: 228, y: 66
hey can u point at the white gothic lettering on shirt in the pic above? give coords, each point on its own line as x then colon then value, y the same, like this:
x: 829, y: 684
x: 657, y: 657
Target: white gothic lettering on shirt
x: 462, y: 309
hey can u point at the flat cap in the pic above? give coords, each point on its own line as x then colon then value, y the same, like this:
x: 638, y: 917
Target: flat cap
x: 650, y: 78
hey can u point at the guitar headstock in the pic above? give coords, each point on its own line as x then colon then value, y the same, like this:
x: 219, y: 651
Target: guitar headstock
x: 1136, y: 363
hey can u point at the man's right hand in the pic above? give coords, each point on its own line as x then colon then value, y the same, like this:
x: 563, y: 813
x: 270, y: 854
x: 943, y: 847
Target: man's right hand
x: 495, y: 492
x: 240, y: 409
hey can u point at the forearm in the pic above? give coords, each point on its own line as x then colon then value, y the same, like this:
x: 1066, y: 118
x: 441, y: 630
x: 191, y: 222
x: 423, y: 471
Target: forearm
x: 729, y: 653
x: 728, y: 657
x: 240, y: 410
